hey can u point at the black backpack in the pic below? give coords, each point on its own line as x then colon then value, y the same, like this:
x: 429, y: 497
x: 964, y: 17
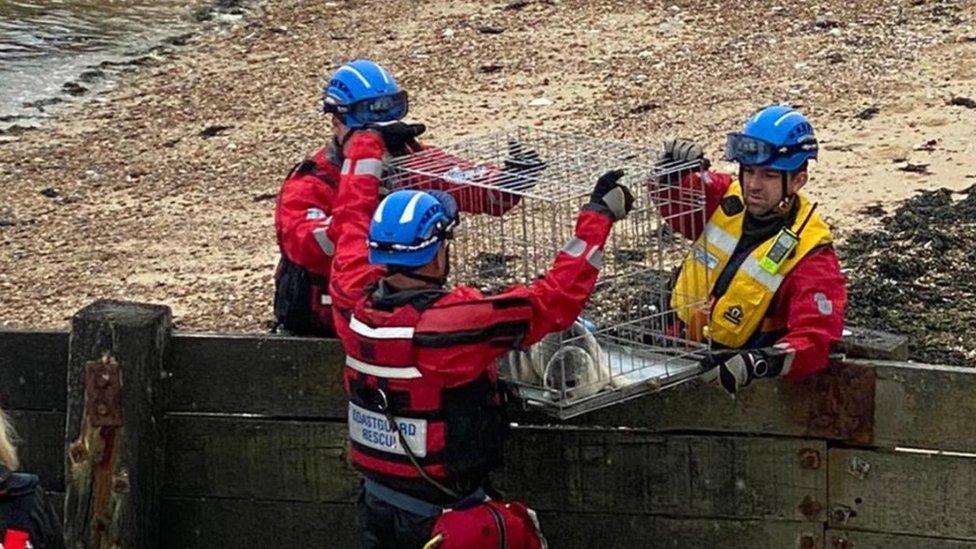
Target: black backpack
x: 25, y: 506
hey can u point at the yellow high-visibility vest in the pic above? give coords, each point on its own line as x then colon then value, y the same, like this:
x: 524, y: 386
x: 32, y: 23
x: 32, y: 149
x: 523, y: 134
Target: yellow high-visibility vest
x: 737, y: 314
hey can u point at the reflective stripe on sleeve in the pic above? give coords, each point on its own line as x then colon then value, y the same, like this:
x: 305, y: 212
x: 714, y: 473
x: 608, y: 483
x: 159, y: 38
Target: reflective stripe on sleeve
x: 328, y: 248
x: 365, y: 166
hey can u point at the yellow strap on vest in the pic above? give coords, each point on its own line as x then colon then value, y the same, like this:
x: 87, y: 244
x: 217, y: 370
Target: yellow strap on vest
x: 737, y: 315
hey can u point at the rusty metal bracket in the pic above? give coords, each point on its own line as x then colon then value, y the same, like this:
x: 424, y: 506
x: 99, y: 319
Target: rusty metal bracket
x: 843, y: 408
x: 810, y: 508
x: 103, y: 392
x: 841, y: 514
x: 94, y: 455
x: 809, y: 458
x: 807, y: 541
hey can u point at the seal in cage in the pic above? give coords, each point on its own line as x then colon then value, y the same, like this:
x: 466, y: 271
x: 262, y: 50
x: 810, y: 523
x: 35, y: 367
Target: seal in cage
x: 521, y: 190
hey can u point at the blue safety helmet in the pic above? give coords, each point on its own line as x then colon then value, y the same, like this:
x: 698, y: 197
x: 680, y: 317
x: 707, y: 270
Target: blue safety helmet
x: 777, y: 137
x: 361, y: 92
x: 409, y: 227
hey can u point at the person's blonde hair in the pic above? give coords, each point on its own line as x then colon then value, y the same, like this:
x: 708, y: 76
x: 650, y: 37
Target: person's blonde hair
x: 8, y: 451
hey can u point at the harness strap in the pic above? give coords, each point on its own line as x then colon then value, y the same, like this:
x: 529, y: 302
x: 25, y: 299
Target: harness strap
x: 417, y: 506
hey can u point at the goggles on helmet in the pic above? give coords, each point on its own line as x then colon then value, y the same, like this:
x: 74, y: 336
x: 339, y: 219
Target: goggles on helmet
x: 752, y: 151
x: 378, y: 109
x: 443, y: 230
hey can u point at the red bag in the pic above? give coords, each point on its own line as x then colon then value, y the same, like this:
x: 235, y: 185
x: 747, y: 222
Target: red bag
x: 490, y: 525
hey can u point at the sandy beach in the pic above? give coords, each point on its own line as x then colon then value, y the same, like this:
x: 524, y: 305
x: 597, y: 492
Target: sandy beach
x: 164, y: 191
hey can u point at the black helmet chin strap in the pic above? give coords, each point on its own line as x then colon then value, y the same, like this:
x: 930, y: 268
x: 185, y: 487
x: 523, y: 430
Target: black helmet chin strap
x: 784, y: 203
x: 411, y: 273
x: 438, y: 280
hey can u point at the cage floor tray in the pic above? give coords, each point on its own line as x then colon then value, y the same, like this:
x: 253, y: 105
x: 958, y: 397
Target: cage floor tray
x: 634, y: 372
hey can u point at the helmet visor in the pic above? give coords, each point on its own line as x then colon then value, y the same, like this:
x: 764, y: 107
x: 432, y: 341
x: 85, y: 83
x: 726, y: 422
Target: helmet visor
x: 752, y: 151
x: 748, y: 150
x: 380, y: 109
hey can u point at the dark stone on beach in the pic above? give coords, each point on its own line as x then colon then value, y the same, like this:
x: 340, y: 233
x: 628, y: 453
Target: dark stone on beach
x: 74, y: 88
x: 91, y: 75
x: 213, y: 131
x: 960, y: 101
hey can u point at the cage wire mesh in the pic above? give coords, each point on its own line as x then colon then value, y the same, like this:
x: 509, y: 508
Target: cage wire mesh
x: 520, y: 191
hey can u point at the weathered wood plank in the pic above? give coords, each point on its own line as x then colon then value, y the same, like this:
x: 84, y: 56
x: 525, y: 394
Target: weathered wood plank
x: 32, y: 369
x: 273, y: 375
x: 205, y: 523
x: 873, y: 344
x: 835, y: 405
x: 849, y: 539
x: 553, y: 470
x: 588, y: 531
x: 298, y: 377
x: 926, y: 406
x: 233, y: 457
x: 112, y: 429
x: 629, y: 472
x: 301, y: 377
x: 872, y: 403
x: 902, y: 493
x: 41, y: 449
x: 193, y: 523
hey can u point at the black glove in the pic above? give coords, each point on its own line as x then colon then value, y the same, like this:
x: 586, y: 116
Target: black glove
x: 611, y: 198
x: 736, y: 369
x: 522, y: 164
x: 399, y: 136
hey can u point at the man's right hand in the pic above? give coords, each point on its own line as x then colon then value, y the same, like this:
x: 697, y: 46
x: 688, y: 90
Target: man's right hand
x: 682, y: 150
x: 398, y: 135
x: 610, y: 197
x: 676, y: 152
x: 523, y: 161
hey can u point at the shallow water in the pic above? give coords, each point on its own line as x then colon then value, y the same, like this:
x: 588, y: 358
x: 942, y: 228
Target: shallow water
x: 57, y: 51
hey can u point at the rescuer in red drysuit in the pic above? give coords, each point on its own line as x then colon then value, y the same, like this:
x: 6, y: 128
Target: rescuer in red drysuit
x: 426, y: 415
x: 775, y: 288
x: 305, y: 203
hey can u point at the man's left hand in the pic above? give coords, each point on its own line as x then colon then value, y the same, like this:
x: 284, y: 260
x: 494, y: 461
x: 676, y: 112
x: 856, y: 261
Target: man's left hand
x: 735, y: 370
x: 523, y: 163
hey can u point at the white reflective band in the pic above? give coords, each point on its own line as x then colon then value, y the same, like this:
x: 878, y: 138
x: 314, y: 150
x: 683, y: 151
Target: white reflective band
x: 358, y: 74
x: 365, y: 166
x: 382, y: 371
x: 411, y: 209
x: 595, y: 257
x: 327, y: 247
x: 575, y: 247
x: 378, y: 216
x: 752, y: 268
x: 783, y: 118
x: 398, y: 332
x: 788, y: 358
x: 369, y: 166
x: 325, y: 299
x: 720, y: 239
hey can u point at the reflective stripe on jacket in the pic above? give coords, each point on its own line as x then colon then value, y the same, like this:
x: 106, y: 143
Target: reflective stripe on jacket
x: 738, y: 313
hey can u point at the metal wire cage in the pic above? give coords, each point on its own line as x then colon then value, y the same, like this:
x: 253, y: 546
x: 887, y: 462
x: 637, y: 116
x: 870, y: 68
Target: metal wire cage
x: 521, y: 190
